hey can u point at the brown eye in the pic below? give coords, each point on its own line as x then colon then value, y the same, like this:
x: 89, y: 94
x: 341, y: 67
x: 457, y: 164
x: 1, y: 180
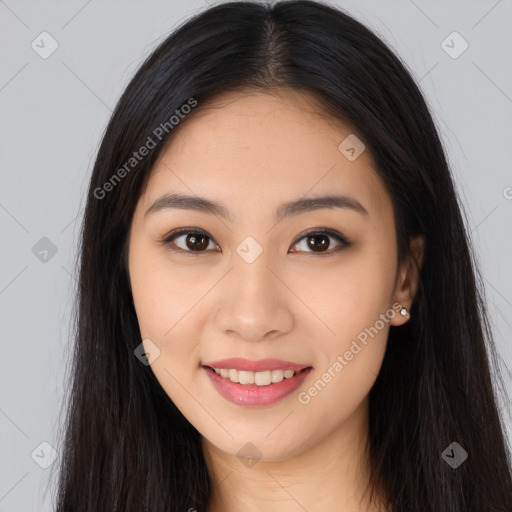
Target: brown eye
x: 196, y: 242
x: 191, y: 241
x: 319, y: 242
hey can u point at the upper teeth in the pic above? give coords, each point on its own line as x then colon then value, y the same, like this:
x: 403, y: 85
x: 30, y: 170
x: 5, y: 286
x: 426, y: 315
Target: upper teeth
x: 259, y: 378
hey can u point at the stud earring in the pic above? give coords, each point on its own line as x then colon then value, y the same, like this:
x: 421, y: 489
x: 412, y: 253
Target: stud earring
x: 404, y: 312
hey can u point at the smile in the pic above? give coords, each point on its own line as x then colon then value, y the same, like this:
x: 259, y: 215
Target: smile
x: 265, y: 378
x: 262, y: 388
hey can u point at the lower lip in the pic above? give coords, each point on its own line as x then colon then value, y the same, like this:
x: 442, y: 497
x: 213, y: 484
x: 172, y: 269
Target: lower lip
x: 253, y: 395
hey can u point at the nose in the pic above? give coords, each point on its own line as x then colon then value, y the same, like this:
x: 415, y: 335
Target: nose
x: 254, y: 303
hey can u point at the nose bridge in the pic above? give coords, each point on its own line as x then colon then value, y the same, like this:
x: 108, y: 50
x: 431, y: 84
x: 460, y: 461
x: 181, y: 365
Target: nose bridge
x: 251, y: 272
x: 254, y: 279
x: 254, y: 286
x: 254, y: 302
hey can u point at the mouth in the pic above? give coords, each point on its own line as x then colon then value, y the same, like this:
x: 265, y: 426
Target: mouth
x: 256, y: 388
x: 260, y: 378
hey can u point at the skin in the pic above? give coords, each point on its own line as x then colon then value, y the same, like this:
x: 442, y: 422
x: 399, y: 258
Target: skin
x: 251, y: 152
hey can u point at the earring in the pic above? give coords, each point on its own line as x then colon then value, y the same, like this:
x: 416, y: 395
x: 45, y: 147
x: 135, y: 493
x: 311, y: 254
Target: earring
x: 404, y: 312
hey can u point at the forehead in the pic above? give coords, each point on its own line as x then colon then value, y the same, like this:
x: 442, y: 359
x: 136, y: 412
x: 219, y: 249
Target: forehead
x: 256, y: 149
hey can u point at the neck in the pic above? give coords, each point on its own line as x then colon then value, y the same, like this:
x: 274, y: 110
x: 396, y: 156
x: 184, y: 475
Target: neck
x: 332, y: 475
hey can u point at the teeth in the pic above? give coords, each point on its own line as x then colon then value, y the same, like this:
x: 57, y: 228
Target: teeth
x: 245, y: 377
x: 277, y: 375
x: 263, y: 378
x: 259, y: 378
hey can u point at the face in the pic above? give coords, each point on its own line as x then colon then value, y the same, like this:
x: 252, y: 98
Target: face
x: 312, y: 285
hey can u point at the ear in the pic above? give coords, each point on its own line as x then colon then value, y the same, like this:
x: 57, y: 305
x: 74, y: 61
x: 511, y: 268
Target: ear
x: 408, y: 279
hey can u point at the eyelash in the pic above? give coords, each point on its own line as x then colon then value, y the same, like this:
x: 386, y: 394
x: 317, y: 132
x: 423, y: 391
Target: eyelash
x: 320, y: 231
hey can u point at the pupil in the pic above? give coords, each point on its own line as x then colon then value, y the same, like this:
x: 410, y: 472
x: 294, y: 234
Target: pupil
x: 324, y: 242
x: 201, y: 242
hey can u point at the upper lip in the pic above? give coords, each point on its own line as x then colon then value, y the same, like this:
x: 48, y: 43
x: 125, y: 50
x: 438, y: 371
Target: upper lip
x: 239, y: 363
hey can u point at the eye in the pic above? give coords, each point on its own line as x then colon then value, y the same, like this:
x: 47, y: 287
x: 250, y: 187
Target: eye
x: 196, y: 241
x: 318, y: 241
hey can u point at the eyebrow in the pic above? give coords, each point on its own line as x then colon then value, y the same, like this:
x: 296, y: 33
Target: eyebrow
x: 288, y: 209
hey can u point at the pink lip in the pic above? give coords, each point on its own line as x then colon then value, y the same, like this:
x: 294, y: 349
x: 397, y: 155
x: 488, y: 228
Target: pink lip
x: 239, y: 363
x: 253, y: 395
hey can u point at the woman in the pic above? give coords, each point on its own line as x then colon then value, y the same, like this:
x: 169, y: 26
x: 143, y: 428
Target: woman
x: 278, y: 307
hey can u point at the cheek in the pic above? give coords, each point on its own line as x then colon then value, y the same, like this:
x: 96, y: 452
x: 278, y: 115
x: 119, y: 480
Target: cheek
x: 163, y: 294
x: 165, y: 300
x: 352, y: 345
x: 351, y: 298
x: 350, y: 294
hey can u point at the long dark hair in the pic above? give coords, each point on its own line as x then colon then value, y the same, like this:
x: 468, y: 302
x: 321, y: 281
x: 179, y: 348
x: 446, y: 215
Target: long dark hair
x: 126, y: 445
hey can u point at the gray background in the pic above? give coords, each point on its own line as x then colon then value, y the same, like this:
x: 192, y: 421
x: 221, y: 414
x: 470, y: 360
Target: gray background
x: 54, y: 111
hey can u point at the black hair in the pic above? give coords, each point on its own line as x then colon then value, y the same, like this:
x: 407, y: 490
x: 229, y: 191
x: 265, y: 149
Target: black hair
x: 127, y: 447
